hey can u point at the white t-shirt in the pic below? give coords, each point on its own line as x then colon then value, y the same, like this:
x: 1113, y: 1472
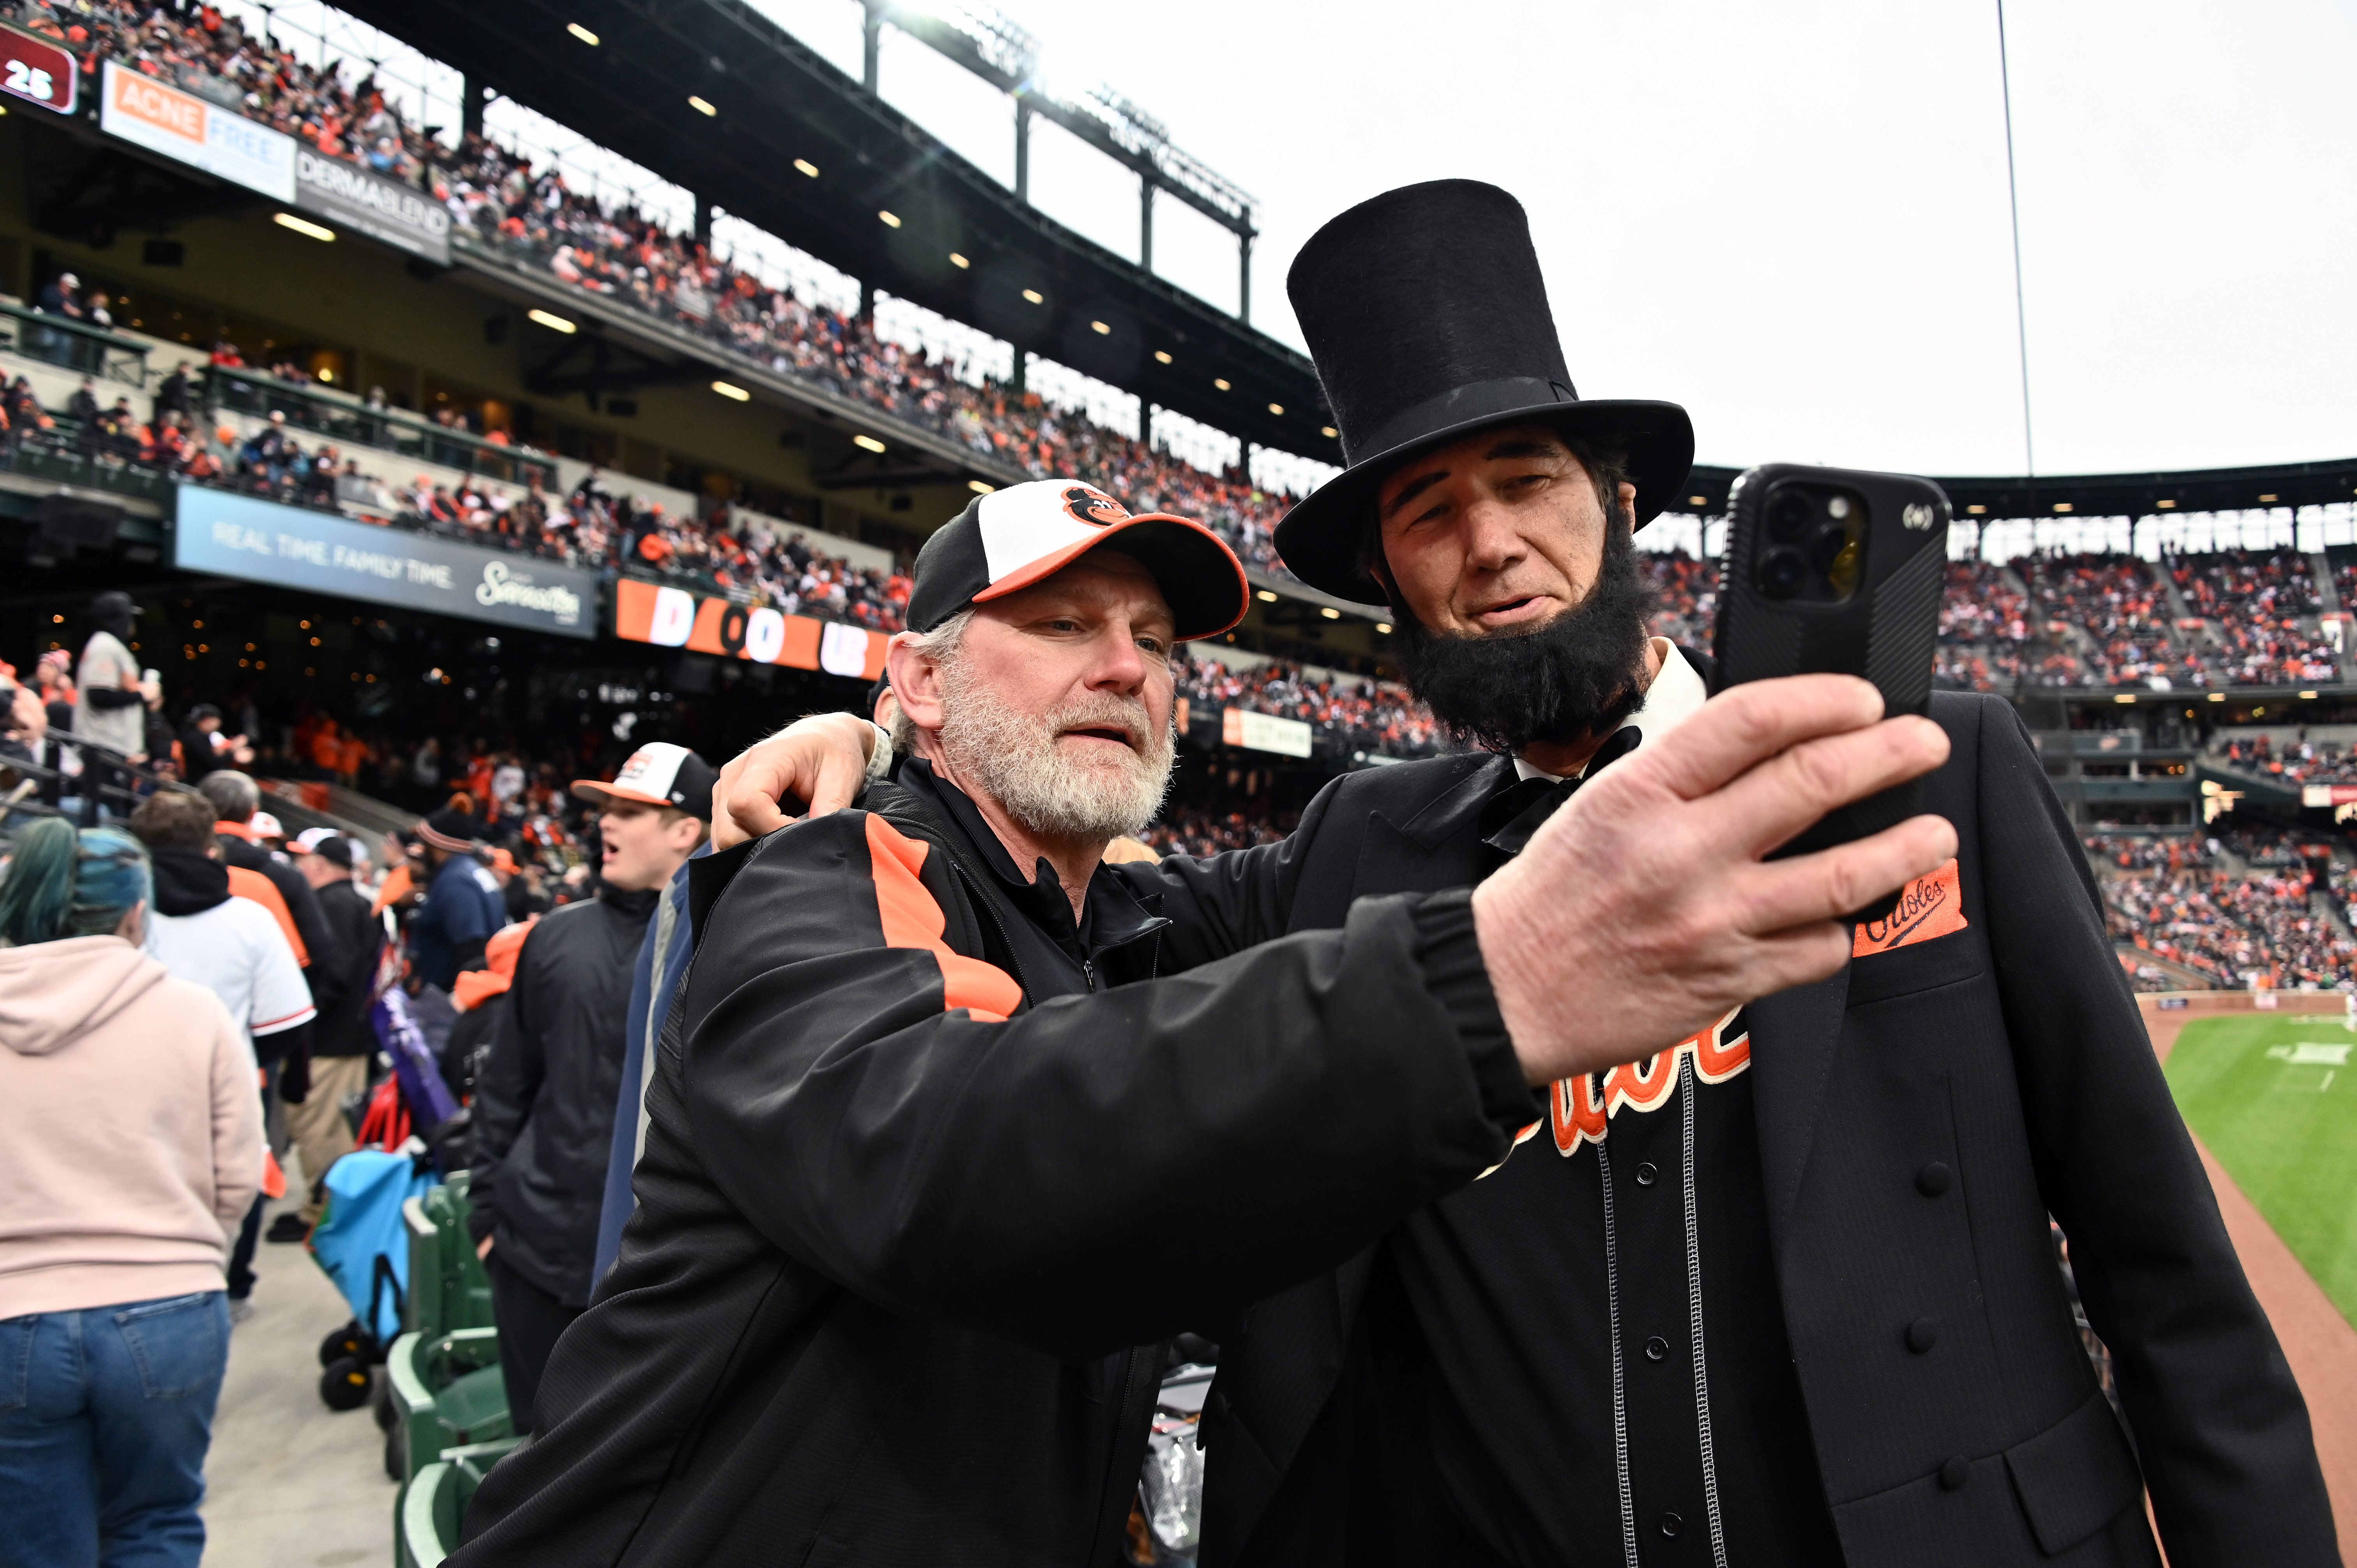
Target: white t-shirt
x: 236, y: 950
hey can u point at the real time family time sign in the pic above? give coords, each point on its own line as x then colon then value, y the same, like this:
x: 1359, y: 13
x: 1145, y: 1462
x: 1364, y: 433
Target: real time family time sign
x: 261, y: 542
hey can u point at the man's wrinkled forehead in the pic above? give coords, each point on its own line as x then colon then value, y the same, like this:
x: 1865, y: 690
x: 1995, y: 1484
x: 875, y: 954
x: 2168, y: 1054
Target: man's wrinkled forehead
x: 1419, y: 474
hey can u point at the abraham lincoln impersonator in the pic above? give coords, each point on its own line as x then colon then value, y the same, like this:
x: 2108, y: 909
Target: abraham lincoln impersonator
x: 1783, y: 1289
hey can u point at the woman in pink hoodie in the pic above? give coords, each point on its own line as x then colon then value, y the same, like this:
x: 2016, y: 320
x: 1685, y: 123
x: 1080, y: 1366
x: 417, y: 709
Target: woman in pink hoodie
x: 134, y: 1146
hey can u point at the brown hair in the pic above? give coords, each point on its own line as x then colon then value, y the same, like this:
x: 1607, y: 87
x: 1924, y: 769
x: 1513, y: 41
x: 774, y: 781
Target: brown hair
x: 173, y: 819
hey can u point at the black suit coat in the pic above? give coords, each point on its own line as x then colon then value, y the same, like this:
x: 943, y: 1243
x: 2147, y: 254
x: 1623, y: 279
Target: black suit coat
x: 2012, y: 1052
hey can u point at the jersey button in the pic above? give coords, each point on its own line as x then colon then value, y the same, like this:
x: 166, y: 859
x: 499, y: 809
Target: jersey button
x: 1934, y: 1179
x: 1955, y: 1471
x: 1657, y: 1349
x: 1922, y: 1335
x: 1672, y: 1524
x: 1646, y: 1174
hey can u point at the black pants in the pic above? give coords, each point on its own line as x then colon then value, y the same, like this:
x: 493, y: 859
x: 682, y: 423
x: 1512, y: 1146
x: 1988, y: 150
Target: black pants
x: 530, y: 1321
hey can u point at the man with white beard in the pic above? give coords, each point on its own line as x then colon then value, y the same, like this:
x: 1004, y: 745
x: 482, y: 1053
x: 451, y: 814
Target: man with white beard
x: 933, y: 1162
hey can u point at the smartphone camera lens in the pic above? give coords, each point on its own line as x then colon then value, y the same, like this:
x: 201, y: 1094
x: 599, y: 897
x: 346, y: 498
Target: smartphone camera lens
x: 1788, y: 516
x: 1826, y: 547
x: 1781, y: 572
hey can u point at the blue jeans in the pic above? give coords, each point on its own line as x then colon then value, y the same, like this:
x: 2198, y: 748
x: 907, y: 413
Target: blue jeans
x: 106, y: 1414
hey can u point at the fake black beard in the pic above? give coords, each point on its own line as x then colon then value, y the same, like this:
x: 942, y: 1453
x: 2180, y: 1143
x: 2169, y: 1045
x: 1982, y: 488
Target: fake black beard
x: 1575, y: 676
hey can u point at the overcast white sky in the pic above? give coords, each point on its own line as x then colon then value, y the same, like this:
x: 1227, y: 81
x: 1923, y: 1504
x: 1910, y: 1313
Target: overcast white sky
x: 1790, y: 217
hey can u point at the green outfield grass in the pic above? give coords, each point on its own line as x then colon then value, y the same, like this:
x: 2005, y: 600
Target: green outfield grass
x: 2275, y: 1100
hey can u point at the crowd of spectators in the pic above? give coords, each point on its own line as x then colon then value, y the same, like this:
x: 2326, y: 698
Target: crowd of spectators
x: 1184, y: 830
x: 2301, y: 761
x: 2258, y: 611
x: 1368, y: 715
x: 2234, y: 907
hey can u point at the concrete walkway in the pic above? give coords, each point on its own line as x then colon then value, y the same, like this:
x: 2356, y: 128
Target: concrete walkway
x: 290, y: 1483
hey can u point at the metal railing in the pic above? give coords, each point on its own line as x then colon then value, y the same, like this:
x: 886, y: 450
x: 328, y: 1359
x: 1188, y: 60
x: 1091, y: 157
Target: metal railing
x: 340, y: 417
x: 73, y: 345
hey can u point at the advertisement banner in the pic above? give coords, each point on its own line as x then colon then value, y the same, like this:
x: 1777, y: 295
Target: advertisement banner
x: 382, y: 208
x: 2327, y: 794
x: 163, y: 119
x: 675, y: 617
x: 37, y: 72
x: 1264, y: 732
x: 263, y: 542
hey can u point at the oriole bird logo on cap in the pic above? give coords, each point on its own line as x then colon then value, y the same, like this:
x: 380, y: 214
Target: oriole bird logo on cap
x: 1084, y: 503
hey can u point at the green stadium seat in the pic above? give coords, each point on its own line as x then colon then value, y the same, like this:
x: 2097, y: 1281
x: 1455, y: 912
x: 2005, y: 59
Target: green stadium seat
x: 447, y: 1285
x: 430, y: 1508
x: 447, y: 1393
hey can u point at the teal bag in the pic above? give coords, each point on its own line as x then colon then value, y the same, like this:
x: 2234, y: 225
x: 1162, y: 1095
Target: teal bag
x: 360, y: 1242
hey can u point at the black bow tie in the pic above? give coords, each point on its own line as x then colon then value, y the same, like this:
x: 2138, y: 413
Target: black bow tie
x: 1515, y: 813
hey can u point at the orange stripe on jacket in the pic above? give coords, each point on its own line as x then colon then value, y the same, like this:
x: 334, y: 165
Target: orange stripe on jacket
x: 246, y: 882
x: 912, y: 919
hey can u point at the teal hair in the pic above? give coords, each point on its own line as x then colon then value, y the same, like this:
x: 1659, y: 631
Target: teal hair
x: 61, y: 883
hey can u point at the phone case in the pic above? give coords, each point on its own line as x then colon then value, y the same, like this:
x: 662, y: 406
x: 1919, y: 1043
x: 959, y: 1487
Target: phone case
x: 1887, y: 629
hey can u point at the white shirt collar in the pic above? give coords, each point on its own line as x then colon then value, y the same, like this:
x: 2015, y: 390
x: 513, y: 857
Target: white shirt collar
x: 1674, y: 696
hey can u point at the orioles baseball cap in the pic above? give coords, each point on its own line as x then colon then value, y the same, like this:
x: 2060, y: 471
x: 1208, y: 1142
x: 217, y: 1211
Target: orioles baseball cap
x: 1014, y: 537
x: 658, y: 774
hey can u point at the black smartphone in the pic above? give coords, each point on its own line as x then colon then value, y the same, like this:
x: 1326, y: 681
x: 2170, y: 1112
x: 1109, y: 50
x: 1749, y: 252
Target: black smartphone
x: 1835, y: 571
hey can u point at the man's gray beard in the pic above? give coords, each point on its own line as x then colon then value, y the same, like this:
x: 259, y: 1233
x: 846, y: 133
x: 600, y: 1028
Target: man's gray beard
x: 1015, y: 758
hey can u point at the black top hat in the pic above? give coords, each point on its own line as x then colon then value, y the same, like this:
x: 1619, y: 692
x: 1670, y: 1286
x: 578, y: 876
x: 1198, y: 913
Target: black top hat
x: 1429, y: 320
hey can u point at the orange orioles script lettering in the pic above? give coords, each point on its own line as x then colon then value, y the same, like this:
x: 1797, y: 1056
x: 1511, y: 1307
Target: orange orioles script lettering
x: 1931, y: 906
x: 1580, y: 1110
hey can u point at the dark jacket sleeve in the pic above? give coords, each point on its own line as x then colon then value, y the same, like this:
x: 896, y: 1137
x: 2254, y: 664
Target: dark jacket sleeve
x: 855, y: 1089
x: 510, y: 1080
x: 1229, y: 901
x: 2220, y: 1426
x: 302, y: 904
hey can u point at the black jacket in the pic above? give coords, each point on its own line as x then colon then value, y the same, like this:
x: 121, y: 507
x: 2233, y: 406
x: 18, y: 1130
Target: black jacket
x: 341, y: 984
x: 544, y: 1104
x: 2010, y: 1050
x: 913, y: 1194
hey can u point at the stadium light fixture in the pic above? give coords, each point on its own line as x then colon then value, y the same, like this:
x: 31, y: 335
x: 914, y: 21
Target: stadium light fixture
x: 1384, y: 627
x: 2125, y: 698
x: 1220, y: 383
x: 1697, y: 501
x: 551, y: 320
x: 807, y: 167
x: 867, y: 442
x: 1277, y: 409
x: 700, y: 106
x: 1329, y: 432
x: 2266, y: 501
x: 2062, y: 506
x: 959, y: 261
x: 2217, y: 696
x: 2166, y: 505
x: 303, y: 226
x: 583, y: 33
x: 890, y: 220
x: 1035, y: 296
x: 981, y: 486
x: 730, y: 391
x: 1100, y: 329
x: 1329, y: 612
x: 1264, y: 596
x: 1976, y: 510
x: 2307, y: 696
x: 1162, y: 356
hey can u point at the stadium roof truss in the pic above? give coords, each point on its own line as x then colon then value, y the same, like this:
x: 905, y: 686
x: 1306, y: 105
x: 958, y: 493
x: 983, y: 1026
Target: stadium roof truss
x: 2291, y: 484
x: 716, y: 98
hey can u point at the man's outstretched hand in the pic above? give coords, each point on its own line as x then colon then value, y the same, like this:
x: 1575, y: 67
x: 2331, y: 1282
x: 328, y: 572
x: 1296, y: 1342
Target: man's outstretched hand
x: 1641, y: 911
x: 822, y: 759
